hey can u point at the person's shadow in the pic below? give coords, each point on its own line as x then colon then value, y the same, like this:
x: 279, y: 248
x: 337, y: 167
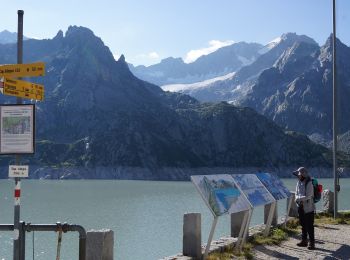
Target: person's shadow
x: 278, y: 255
x: 343, y: 252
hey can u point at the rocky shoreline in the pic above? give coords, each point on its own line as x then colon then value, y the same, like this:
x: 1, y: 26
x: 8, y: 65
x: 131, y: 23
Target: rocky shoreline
x: 163, y: 174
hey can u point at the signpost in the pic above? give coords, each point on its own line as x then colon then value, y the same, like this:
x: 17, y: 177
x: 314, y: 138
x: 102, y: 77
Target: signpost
x: 24, y: 89
x: 22, y: 70
x: 18, y: 171
x: 17, y: 131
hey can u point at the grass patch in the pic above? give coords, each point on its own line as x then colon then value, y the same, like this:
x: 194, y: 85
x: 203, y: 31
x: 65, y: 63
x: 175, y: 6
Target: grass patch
x: 326, y: 218
x: 277, y: 236
x: 231, y: 253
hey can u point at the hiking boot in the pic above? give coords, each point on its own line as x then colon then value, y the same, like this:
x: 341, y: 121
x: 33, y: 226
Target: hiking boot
x: 311, y: 246
x: 302, y: 243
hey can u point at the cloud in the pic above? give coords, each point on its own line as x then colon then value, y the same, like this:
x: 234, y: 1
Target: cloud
x: 152, y: 55
x: 146, y: 59
x: 192, y: 55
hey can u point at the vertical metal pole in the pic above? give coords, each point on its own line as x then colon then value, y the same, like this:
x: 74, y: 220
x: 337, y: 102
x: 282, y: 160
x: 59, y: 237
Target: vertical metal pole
x: 22, y: 236
x: 335, y: 128
x: 16, y: 241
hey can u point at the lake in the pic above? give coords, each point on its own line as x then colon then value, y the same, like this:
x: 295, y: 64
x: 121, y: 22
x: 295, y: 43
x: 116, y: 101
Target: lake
x: 145, y: 216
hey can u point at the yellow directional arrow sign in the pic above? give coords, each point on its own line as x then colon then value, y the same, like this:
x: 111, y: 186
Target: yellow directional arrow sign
x: 24, y: 89
x: 22, y: 70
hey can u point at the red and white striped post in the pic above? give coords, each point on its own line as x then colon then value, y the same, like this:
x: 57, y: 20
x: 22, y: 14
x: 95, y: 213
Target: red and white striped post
x: 16, y: 226
x: 17, y: 192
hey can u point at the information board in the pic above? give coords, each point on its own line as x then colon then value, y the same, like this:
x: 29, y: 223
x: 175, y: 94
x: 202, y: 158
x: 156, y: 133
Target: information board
x: 220, y: 193
x: 274, y: 185
x: 254, y: 190
x: 17, y: 129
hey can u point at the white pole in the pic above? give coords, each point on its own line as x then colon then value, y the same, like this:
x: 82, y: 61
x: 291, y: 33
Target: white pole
x: 210, y: 237
x: 269, y: 218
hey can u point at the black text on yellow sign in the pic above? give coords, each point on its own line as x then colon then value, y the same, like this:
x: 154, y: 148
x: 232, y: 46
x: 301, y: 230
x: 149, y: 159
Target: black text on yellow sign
x: 24, y: 89
x: 22, y: 70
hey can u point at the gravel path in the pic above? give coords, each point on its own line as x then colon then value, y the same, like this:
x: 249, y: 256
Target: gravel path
x: 332, y: 242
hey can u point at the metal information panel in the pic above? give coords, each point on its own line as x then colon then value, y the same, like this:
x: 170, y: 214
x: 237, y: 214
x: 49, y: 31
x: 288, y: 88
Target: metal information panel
x: 220, y: 193
x: 222, y: 196
x: 254, y: 190
x: 274, y: 185
x: 17, y: 129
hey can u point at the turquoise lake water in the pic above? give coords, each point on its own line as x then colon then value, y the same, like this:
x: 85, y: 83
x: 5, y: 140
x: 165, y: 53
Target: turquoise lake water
x: 146, y: 217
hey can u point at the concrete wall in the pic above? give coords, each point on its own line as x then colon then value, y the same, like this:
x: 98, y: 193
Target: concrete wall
x: 99, y: 244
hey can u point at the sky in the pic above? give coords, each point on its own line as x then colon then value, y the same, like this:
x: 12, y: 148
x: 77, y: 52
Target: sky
x: 146, y: 31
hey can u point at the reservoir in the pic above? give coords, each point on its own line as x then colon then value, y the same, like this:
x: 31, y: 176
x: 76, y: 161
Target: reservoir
x: 146, y: 216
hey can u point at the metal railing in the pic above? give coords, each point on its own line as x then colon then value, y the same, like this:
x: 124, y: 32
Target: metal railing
x: 28, y: 227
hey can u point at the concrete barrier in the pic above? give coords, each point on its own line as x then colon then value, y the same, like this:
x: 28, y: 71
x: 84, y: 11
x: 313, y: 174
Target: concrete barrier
x: 293, y: 212
x: 192, y: 236
x: 328, y: 201
x: 99, y: 244
x: 236, y: 223
x: 267, y: 212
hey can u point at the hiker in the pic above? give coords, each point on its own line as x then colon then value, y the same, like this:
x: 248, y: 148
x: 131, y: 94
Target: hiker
x: 304, y: 198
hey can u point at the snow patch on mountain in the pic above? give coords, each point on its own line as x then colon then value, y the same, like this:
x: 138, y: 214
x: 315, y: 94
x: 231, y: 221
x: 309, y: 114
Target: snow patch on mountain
x: 245, y: 61
x: 270, y: 45
x: 197, y: 85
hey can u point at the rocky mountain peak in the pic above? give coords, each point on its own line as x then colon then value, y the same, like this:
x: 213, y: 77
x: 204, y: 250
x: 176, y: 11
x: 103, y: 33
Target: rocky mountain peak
x: 74, y: 30
x: 299, y: 51
x: 326, y: 50
x: 293, y: 37
x: 122, y: 58
x: 7, y: 37
x: 123, y: 65
x: 172, y: 60
x: 59, y: 35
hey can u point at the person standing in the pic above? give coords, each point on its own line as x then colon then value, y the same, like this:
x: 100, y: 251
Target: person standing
x: 304, y: 198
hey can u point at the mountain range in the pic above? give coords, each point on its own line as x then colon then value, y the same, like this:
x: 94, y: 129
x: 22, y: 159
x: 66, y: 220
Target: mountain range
x: 96, y: 113
x: 174, y: 70
x: 9, y: 37
x: 290, y: 83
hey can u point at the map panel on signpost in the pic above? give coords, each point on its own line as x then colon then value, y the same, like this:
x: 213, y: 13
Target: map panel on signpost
x: 220, y: 193
x: 17, y: 129
x: 253, y: 189
x: 274, y: 185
